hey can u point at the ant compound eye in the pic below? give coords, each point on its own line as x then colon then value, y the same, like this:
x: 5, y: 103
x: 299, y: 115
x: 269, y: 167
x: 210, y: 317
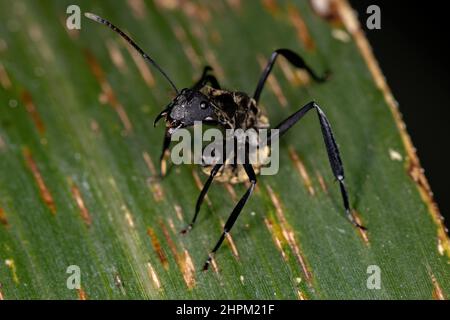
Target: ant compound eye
x: 203, y: 105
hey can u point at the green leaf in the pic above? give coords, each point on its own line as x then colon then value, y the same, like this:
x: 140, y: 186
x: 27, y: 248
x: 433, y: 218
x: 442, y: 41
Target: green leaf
x: 79, y: 160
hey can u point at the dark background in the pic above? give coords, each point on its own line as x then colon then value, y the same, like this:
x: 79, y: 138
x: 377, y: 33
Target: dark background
x: 412, y: 48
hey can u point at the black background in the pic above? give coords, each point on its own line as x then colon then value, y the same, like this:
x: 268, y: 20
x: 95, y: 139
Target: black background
x: 412, y: 48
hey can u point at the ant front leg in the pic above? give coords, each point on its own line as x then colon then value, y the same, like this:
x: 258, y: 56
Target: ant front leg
x: 294, y: 59
x: 235, y: 213
x: 164, y: 153
x: 202, y: 195
x: 331, y: 146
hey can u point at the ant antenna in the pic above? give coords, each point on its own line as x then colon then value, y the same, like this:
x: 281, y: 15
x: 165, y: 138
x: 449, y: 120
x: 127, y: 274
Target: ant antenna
x: 133, y: 44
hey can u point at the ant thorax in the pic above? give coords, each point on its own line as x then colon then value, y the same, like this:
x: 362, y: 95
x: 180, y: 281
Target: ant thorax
x: 236, y: 110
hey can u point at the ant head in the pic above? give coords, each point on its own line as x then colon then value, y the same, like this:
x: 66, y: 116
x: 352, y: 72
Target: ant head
x: 186, y: 108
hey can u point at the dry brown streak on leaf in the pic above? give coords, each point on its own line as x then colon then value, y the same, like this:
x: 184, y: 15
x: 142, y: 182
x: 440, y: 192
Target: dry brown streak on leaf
x: 32, y: 110
x: 137, y: 8
x: 152, y: 273
x: 322, y: 182
x: 84, y: 212
x: 327, y: 10
x: 2, y: 144
x: 362, y: 233
x: 12, y: 266
x: 168, y: 4
x: 186, y: 45
x: 4, y: 78
x: 196, y: 11
x: 236, y: 5
x: 141, y: 65
x: 157, y: 247
x: 295, y: 76
x: 271, y: 6
x: 199, y: 185
x: 276, y: 236
x: 300, y: 27
x: 183, y: 261
x: 438, y: 293
x: 301, y: 295
x: 155, y: 186
x: 82, y: 294
x: 288, y: 234
x: 107, y: 95
x: 415, y: 170
x: 170, y: 242
x: 179, y: 212
x: 116, y: 56
x: 128, y: 216
x: 188, y: 270
x: 302, y: 170
x: 230, y: 242
x: 230, y: 190
x: 44, y: 191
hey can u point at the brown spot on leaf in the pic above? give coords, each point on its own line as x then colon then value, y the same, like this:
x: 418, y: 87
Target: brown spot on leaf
x: 44, y: 191
x: 157, y: 247
x: 3, y: 219
x: 295, y: 158
x: 271, y: 6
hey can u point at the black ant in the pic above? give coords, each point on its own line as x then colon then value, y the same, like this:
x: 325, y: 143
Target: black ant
x: 206, y: 102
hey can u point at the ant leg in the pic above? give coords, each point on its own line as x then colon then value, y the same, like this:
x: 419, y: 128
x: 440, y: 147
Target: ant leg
x: 165, y: 148
x: 201, y: 197
x: 294, y: 59
x: 332, y: 150
x: 235, y: 213
x: 206, y: 78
